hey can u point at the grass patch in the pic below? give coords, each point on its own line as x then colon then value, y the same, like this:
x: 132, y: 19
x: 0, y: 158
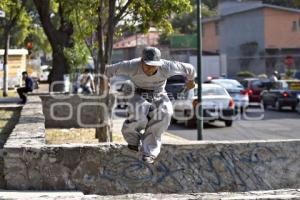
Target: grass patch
x: 10, y: 93
x: 75, y: 135
x: 8, y: 120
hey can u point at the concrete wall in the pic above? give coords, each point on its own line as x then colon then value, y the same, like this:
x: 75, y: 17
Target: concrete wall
x: 209, y: 37
x: 67, y: 111
x: 113, y: 169
x: 238, y: 29
x: 279, y: 29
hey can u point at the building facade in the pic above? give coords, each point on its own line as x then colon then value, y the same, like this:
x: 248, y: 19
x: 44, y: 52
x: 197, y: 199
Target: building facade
x: 254, y: 36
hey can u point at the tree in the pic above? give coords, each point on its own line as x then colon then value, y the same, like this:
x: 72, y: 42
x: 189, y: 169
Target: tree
x: 286, y: 3
x: 59, y: 36
x: 15, y: 15
x: 135, y: 13
x: 186, y: 23
x: 96, y: 23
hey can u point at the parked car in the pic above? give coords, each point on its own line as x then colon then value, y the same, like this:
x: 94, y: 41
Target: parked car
x: 44, y: 72
x: 254, y: 87
x: 236, y: 91
x: 124, y: 91
x: 217, y: 104
x: 282, y: 93
x: 296, y: 75
x: 175, y: 86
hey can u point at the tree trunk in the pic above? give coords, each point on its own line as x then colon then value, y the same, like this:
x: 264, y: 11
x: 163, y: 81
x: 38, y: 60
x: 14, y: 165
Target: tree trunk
x: 102, y: 133
x: 58, y: 40
x: 57, y: 74
x: 5, y: 61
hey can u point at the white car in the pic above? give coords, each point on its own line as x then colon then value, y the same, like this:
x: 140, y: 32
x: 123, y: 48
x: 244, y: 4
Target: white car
x: 217, y: 104
x: 44, y: 73
x: 236, y: 91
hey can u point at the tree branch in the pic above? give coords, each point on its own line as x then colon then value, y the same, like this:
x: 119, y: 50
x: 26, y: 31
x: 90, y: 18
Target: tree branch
x: 13, y: 19
x: 122, y: 10
x: 81, y: 33
x: 42, y: 7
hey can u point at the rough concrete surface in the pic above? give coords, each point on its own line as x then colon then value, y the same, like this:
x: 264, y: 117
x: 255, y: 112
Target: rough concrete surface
x: 111, y: 169
x: 66, y: 111
x: 58, y: 195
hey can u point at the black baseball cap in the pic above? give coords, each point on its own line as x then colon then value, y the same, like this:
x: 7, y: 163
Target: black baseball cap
x: 151, y: 56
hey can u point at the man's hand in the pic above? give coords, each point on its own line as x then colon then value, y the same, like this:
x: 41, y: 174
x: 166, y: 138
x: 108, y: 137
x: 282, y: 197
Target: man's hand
x: 190, y: 84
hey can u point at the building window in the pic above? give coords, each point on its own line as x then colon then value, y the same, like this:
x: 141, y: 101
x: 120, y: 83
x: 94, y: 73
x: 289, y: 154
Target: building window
x: 217, y: 28
x: 294, y: 26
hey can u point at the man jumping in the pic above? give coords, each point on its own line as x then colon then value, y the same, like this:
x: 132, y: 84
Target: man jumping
x: 150, y: 109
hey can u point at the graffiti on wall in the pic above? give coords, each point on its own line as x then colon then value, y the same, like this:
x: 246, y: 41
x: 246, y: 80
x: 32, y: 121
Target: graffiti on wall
x: 226, y: 170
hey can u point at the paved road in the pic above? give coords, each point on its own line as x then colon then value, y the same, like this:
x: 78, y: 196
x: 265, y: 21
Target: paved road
x: 253, y: 125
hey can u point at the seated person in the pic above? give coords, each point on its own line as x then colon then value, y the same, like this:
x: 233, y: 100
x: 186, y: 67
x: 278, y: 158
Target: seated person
x: 28, y: 87
x: 86, y: 83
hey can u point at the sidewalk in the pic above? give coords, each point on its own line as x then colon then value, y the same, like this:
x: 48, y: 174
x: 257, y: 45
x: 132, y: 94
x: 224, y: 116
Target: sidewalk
x: 74, y: 195
x: 166, y: 137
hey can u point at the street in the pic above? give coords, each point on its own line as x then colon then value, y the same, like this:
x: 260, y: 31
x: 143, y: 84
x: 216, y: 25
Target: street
x: 254, y: 125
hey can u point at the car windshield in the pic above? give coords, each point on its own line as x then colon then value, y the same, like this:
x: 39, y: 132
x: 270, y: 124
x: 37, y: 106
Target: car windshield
x: 228, y: 84
x: 207, y: 91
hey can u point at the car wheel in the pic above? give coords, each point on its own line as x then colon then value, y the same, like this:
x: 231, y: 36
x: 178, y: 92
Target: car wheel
x: 191, y: 123
x: 293, y: 108
x: 277, y: 105
x: 264, y: 104
x: 173, y: 120
x: 228, y: 123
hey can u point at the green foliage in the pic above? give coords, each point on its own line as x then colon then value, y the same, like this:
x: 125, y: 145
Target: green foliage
x: 187, y: 23
x: 77, y: 56
x: 145, y: 14
x: 289, y: 73
x: 21, y: 29
x: 286, y: 3
x: 39, y: 39
x: 139, y: 16
x: 245, y: 74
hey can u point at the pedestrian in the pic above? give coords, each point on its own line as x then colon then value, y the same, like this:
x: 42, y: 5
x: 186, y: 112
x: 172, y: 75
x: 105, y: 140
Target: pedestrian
x: 76, y: 82
x: 274, y: 77
x: 29, y: 86
x: 149, y: 108
x: 86, y: 81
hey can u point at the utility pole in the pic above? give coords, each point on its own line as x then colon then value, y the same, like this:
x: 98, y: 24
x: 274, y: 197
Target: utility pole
x: 199, y: 73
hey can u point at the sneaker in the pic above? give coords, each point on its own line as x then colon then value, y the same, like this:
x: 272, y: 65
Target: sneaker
x: 149, y: 159
x: 133, y: 147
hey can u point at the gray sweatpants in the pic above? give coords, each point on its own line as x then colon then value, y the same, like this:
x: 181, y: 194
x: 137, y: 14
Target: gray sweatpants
x: 152, y: 117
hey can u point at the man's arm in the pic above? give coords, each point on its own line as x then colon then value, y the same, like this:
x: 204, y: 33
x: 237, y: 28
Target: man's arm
x: 126, y: 68
x: 29, y: 83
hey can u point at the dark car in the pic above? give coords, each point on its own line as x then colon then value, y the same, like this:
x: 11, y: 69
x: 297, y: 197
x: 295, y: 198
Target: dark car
x: 254, y: 87
x: 282, y: 93
x: 296, y: 75
x: 175, y: 86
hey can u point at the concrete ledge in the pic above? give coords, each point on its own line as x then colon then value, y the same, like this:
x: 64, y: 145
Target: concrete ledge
x: 111, y: 169
x: 30, y: 129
